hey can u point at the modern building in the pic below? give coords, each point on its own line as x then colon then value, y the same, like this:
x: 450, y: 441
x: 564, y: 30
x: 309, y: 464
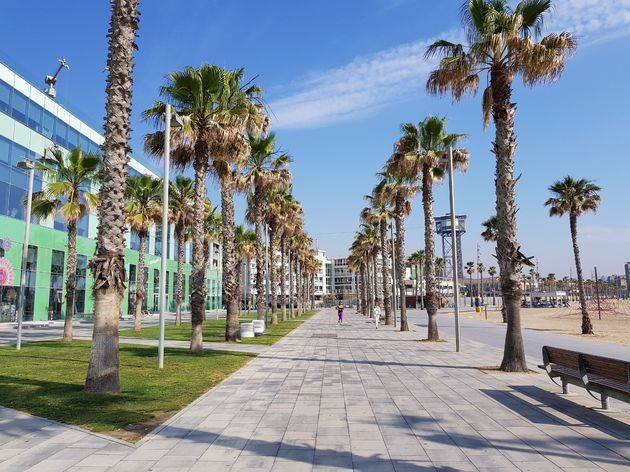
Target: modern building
x: 30, y: 123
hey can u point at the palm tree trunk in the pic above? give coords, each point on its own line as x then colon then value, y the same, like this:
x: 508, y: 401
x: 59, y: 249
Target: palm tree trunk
x: 273, y: 274
x: 71, y: 276
x: 587, y: 325
x: 421, y: 279
x: 198, y: 284
x: 140, y: 295
x: 108, y: 265
x: 363, y: 290
x: 291, y: 292
x: 415, y: 291
x: 378, y: 291
x: 472, y: 303
x: 400, y: 263
x: 431, y: 300
x: 180, y: 276
x: 230, y: 277
x: 387, y: 289
x: 283, y: 289
x: 260, y: 257
x: 503, y: 112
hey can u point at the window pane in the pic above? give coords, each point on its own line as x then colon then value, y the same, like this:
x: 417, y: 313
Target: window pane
x: 4, y: 195
x: 48, y: 124
x: 5, y: 97
x: 19, y: 106
x: 61, y: 129
x: 82, y: 226
x: 73, y: 138
x: 35, y: 117
x: 5, y: 150
x: 16, y: 202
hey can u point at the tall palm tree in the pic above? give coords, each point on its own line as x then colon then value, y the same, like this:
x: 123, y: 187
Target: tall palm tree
x: 289, y: 213
x: 422, y: 151
x: 381, y: 209
x: 489, y: 232
x: 492, y: 272
x: 470, y: 270
x: 218, y: 109
x: 439, y: 271
x: 108, y: 263
x: 481, y: 268
x: 399, y: 187
x: 143, y: 209
x: 265, y: 169
x: 503, y: 41
x: 575, y: 197
x: 418, y: 259
x: 67, y: 193
x: 180, y: 202
x: 245, y: 250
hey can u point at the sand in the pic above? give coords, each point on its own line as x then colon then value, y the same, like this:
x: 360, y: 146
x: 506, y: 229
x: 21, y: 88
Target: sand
x: 613, y: 327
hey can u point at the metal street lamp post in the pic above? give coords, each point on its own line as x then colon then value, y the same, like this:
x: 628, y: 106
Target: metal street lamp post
x: 27, y: 165
x: 170, y: 119
x: 391, y: 232
x: 454, y: 249
x: 267, y: 275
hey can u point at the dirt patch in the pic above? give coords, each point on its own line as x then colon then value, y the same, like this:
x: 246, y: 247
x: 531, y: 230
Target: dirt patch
x: 135, y: 432
x: 495, y: 370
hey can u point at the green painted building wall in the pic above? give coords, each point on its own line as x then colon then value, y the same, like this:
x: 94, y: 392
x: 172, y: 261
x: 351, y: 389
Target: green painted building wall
x: 47, y: 240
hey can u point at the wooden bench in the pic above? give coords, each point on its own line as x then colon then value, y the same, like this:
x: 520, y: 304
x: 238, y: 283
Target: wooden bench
x: 603, y: 375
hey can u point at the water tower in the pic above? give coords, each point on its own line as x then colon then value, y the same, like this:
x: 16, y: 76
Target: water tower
x: 443, y: 228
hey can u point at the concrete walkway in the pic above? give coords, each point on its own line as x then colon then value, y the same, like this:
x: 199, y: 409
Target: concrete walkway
x: 331, y: 397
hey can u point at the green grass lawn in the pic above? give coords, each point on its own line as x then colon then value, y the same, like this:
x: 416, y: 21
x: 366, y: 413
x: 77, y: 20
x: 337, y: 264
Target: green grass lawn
x: 214, y: 331
x: 46, y: 379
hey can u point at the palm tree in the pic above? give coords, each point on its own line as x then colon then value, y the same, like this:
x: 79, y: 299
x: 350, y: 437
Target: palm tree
x: 245, y: 249
x: 180, y: 202
x: 418, y: 259
x: 399, y: 188
x: 421, y: 151
x: 575, y: 197
x: 67, y: 193
x: 470, y: 270
x: 490, y: 229
x: 213, y: 231
x: 217, y: 109
x: 492, y: 272
x: 108, y: 263
x: 381, y: 210
x: 439, y: 272
x: 264, y: 170
x: 143, y: 209
x: 480, y: 270
x: 503, y: 42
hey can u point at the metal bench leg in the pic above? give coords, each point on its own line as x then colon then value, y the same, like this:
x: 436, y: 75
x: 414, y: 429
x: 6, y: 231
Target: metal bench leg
x: 605, y: 404
x: 565, y: 386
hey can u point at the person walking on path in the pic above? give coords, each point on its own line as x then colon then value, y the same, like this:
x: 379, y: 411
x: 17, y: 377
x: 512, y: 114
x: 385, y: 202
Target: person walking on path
x: 377, y: 313
x: 340, y: 313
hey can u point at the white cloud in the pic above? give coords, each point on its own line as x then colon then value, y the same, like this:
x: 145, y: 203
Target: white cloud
x: 369, y: 82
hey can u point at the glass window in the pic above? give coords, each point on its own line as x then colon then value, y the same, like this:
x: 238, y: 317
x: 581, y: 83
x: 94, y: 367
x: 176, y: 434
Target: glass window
x: 5, y: 96
x: 134, y: 241
x: 19, y: 106
x: 4, y: 195
x: 61, y: 130
x: 156, y: 289
x: 16, y: 202
x: 29, y: 290
x: 83, y: 226
x: 55, y: 296
x: 158, y: 240
x: 73, y: 138
x: 79, y: 296
x: 35, y: 117
x: 5, y: 150
x: 84, y: 143
x: 131, y: 300
x: 48, y: 124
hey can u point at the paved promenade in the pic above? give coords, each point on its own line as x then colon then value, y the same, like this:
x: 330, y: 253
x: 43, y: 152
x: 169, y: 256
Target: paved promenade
x: 341, y: 398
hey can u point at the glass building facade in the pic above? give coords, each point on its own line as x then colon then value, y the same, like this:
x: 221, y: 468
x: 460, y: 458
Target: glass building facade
x: 31, y: 122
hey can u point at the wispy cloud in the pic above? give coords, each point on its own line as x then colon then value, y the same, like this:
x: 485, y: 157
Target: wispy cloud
x: 370, y: 82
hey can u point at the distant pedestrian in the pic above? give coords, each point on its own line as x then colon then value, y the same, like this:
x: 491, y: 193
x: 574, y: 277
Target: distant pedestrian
x: 377, y: 313
x: 339, y: 313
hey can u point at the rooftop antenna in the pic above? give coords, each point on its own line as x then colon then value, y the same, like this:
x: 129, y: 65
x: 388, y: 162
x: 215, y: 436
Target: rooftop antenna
x: 51, y: 80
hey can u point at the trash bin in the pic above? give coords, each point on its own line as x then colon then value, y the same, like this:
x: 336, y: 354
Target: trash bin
x: 259, y: 326
x: 247, y: 330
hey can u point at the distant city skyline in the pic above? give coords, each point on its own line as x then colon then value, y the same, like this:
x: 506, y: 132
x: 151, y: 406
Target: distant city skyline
x: 340, y: 78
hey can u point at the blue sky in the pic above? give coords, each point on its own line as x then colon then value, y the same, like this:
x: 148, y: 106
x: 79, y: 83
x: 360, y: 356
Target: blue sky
x: 340, y: 77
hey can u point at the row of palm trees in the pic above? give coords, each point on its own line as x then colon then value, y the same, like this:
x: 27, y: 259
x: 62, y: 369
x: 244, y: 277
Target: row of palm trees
x: 224, y: 135
x: 419, y: 160
x: 502, y: 42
